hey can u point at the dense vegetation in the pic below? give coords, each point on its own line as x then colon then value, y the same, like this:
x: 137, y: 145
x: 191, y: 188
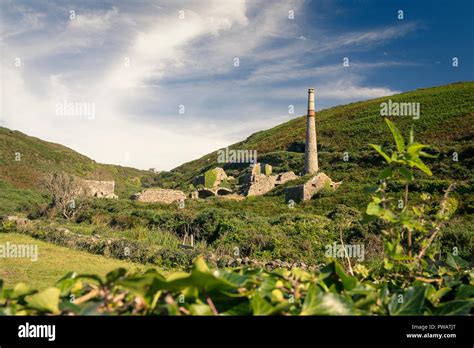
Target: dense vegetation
x: 245, y: 291
x: 411, y: 207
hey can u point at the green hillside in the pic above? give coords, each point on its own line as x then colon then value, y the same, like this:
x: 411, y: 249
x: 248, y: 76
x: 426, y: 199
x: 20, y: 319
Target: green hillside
x: 446, y: 121
x: 38, y: 157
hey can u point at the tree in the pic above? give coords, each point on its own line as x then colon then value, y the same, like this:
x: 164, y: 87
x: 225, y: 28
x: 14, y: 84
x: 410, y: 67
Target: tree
x: 67, y: 192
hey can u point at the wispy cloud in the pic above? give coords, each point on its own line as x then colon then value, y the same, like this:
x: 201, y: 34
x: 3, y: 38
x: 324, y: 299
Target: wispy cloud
x: 141, y: 65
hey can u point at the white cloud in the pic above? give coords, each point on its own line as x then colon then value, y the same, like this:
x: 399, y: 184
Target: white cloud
x: 172, y: 62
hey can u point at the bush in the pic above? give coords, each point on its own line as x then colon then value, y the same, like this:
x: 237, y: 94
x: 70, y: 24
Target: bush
x: 458, y: 238
x: 243, y: 291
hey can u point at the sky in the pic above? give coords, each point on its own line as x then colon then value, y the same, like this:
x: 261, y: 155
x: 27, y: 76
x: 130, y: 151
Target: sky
x: 154, y: 84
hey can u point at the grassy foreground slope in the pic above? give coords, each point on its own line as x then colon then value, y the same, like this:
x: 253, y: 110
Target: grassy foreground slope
x: 38, y: 157
x: 446, y: 121
x: 52, y: 263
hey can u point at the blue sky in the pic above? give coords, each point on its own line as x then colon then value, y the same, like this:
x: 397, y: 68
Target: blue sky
x: 135, y: 65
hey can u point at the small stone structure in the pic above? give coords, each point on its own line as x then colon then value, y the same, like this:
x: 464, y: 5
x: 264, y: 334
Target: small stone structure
x: 19, y: 222
x: 212, y: 178
x: 256, y: 170
x: 100, y: 189
x: 156, y: 195
x: 284, y: 177
x: 307, y: 190
x: 260, y: 185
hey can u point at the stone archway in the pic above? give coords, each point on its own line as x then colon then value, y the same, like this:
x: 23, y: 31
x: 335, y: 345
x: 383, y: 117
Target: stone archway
x: 223, y: 191
x: 205, y: 193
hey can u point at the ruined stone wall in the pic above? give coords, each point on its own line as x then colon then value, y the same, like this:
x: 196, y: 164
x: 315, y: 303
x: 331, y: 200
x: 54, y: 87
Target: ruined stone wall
x: 260, y: 185
x: 307, y: 190
x: 100, y: 189
x: 214, y: 178
x: 154, y: 195
x: 285, y: 177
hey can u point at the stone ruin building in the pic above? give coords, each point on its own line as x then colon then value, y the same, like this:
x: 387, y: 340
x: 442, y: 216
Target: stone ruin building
x: 260, y: 179
x: 100, y: 188
x: 211, y: 178
x: 157, y: 195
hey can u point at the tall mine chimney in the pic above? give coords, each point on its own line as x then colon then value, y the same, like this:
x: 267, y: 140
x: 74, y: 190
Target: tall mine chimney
x: 311, y: 150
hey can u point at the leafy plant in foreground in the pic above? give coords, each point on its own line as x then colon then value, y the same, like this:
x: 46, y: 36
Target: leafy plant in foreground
x: 411, y: 227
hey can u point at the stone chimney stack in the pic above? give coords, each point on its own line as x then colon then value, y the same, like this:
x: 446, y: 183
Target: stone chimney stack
x: 311, y: 150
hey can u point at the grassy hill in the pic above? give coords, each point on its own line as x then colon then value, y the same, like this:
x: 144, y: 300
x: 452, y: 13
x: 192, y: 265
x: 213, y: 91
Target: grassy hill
x: 38, y: 157
x: 446, y: 121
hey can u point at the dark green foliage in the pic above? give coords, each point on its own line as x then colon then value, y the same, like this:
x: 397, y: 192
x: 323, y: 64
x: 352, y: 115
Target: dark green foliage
x: 13, y: 200
x: 242, y: 291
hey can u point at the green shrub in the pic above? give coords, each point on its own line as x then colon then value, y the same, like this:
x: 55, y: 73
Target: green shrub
x: 243, y: 291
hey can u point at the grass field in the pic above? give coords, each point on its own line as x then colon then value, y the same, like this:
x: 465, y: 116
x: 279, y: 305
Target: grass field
x: 53, y: 263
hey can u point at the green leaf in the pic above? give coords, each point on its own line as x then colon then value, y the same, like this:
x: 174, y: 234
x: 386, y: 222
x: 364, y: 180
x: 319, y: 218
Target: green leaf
x: 456, y: 262
x: 318, y: 302
x: 200, y: 309
x: 200, y: 265
x: 242, y: 308
x: 410, y: 303
x: 412, y: 137
x: 418, y: 163
x: 388, y: 215
x: 455, y: 307
x: 114, y: 275
x: 21, y: 289
x: 374, y: 209
x: 348, y: 281
x: 311, y: 300
x: 138, y: 285
x: 378, y: 148
x: 91, y: 276
x: 438, y: 294
x: 414, y: 149
x: 428, y: 155
x: 396, y: 136
x: 45, y: 301
x: 407, y: 174
x: 386, y: 173
x: 465, y: 291
x: 260, y: 306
